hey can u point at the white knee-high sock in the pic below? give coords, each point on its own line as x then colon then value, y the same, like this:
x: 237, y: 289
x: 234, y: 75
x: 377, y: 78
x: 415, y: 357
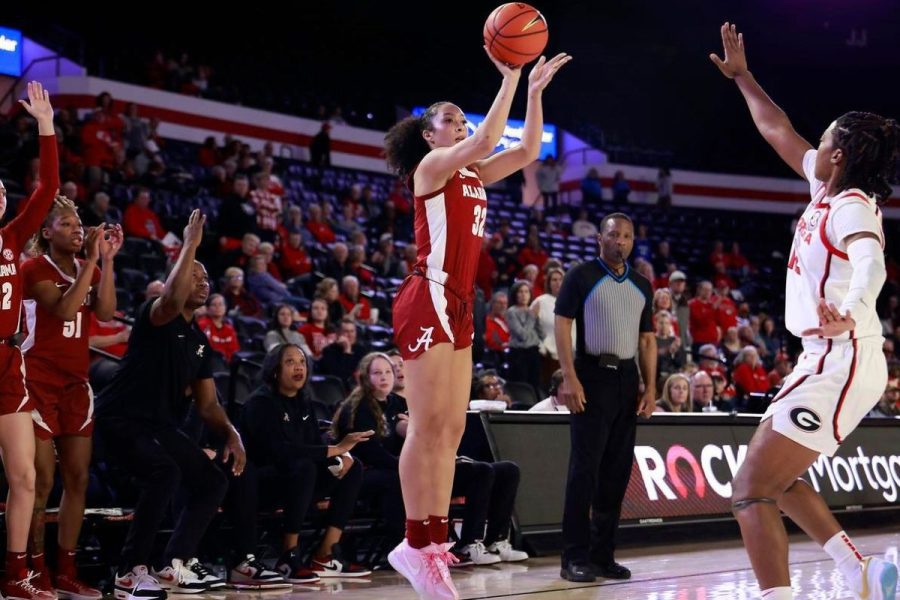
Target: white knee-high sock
x: 845, y: 555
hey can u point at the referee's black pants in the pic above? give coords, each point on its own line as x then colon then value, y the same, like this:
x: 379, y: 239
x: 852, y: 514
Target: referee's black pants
x: 162, y: 460
x: 601, y: 455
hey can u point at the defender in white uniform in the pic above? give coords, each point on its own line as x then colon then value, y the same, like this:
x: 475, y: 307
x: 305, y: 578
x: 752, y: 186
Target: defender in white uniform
x: 834, y: 274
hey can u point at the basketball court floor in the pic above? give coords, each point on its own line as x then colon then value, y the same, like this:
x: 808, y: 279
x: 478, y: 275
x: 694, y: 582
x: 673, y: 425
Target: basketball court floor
x: 709, y: 571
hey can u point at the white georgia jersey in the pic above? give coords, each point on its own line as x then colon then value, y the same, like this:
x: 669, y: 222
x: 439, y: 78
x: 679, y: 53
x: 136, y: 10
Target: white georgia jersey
x: 819, y: 266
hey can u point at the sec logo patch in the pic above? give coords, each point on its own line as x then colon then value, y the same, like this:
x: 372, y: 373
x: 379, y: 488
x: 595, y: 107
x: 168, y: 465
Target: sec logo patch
x: 8, y: 254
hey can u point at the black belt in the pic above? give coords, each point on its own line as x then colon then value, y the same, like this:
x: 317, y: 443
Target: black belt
x: 605, y: 361
x: 12, y: 341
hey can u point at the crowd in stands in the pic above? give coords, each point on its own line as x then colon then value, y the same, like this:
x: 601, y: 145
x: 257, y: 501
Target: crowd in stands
x: 308, y: 257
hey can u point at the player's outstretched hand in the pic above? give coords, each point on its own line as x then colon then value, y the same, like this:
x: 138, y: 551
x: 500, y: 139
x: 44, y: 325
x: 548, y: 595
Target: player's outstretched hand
x: 831, y: 322
x: 111, y: 241
x: 505, y: 70
x: 543, y: 71
x: 193, y: 232
x: 38, y: 104
x: 735, y: 63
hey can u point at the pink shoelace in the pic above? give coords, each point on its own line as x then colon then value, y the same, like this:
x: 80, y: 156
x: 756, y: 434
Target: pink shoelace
x: 437, y: 560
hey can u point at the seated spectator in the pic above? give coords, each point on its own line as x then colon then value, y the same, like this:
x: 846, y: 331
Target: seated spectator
x: 267, y: 251
x: 208, y: 154
x: 294, y: 261
x: 385, y: 260
x: 783, y: 367
x: 671, y: 356
x: 749, y: 375
x: 736, y: 261
x: 356, y: 260
x: 731, y: 345
x: 889, y: 404
x: 318, y: 227
x: 721, y: 278
x: 218, y: 329
x: 591, y: 189
x: 662, y: 301
x: 533, y: 253
x: 282, y: 331
x: 342, y: 357
x: 140, y: 220
x: 337, y: 266
x: 347, y: 223
x: 582, y: 227
x: 642, y: 248
x: 530, y: 275
x: 263, y: 286
x: 281, y: 432
x: 110, y: 336
x: 544, y: 306
x: 552, y: 403
x: 703, y: 394
x: 317, y: 330
x: 524, y: 338
x: 718, y: 254
x: 488, y: 385
x: 747, y: 337
x: 724, y: 393
x: 646, y: 269
x: 663, y: 256
x: 237, y: 215
x: 98, y: 212
x: 496, y: 330
x: 293, y: 220
x: 372, y: 406
x: 708, y: 360
x: 676, y: 395
x: 241, y: 255
x: 770, y: 337
x: 355, y: 305
x: 239, y: 300
x: 410, y: 257
x: 327, y: 289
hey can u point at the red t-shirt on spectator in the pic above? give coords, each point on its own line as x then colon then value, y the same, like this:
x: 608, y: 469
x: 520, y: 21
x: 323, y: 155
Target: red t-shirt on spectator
x: 321, y: 231
x: 223, y: 340
x: 720, y: 279
x: 248, y: 305
x: 143, y: 223
x: 749, y: 380
x: 365, y: 313
x: 294, y: 262
x: 736, y: 261
x: 316, y: 338
x: 108, y: 328
x: 703, y: 322
x: 496, y: 333
x: 726, y: 314
x: 484, y: 275
x: 527, y: 256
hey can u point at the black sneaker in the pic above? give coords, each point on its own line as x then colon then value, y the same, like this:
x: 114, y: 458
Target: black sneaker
x: 252, y: 574
x: 578, y: 572
x: 293, y: 570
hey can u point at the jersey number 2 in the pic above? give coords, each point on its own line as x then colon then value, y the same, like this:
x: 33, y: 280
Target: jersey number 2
x: 6, y: 290
x: 72, y: 329
x: 480, y: 218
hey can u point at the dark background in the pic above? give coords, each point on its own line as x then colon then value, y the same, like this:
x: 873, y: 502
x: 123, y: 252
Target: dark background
x: 641, y: 85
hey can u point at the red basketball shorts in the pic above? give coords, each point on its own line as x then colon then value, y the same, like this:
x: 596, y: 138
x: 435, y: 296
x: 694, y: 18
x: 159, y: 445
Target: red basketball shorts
x: 427, y: 313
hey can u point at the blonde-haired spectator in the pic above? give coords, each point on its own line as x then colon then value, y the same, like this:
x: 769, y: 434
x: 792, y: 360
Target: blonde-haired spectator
x: 676, y: 395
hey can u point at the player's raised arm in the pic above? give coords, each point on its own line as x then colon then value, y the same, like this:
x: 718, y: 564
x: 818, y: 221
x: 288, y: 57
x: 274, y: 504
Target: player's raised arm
x: 770, y: 120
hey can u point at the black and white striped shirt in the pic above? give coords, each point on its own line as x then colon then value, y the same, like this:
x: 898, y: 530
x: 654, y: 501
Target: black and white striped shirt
x: 610, y: 311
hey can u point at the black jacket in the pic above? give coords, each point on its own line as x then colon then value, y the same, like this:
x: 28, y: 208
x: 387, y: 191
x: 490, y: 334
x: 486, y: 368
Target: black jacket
x: 277, y: 429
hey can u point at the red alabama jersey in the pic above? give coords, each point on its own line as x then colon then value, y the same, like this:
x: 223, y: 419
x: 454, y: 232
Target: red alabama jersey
x: 55, y: 348
x: 449, y: 229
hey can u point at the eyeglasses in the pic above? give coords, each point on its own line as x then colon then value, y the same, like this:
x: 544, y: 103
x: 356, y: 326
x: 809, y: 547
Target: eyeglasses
x: 493, y: 384
x: 704, y: 385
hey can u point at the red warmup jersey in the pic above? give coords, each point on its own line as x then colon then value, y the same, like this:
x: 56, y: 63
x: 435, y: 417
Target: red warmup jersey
x: 14, y: 236
x: 449, y: 228
x: 55, y: 348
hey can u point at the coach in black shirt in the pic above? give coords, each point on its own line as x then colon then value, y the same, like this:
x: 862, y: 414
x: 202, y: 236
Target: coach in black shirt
x: 138, y: 416
x: 611, y: 305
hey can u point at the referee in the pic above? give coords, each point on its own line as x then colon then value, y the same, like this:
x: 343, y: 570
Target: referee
x: 611, y: 306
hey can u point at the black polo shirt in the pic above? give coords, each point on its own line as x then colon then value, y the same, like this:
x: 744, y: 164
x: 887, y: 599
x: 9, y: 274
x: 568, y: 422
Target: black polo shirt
x: 160, y: 364
x: 610, y: 311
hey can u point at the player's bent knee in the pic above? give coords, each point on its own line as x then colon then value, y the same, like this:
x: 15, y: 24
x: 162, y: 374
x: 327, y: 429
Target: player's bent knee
x: 742, y: 503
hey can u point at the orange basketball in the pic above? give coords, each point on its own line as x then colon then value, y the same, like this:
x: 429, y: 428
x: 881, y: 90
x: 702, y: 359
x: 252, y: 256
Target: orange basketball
x: 515, y: 33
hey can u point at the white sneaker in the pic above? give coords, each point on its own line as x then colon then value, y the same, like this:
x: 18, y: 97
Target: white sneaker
x: 137, y: 584
x: 205, y: 576
x: 253, y: 574
x: 179, y: 579
x: 876, y: 580
x: 426, y: 569
x: 479, y: 555
x: 506, y: 552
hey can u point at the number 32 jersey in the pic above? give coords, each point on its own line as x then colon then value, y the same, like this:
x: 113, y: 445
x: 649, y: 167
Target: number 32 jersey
x: 55, y: 349
x: 449, y: 227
